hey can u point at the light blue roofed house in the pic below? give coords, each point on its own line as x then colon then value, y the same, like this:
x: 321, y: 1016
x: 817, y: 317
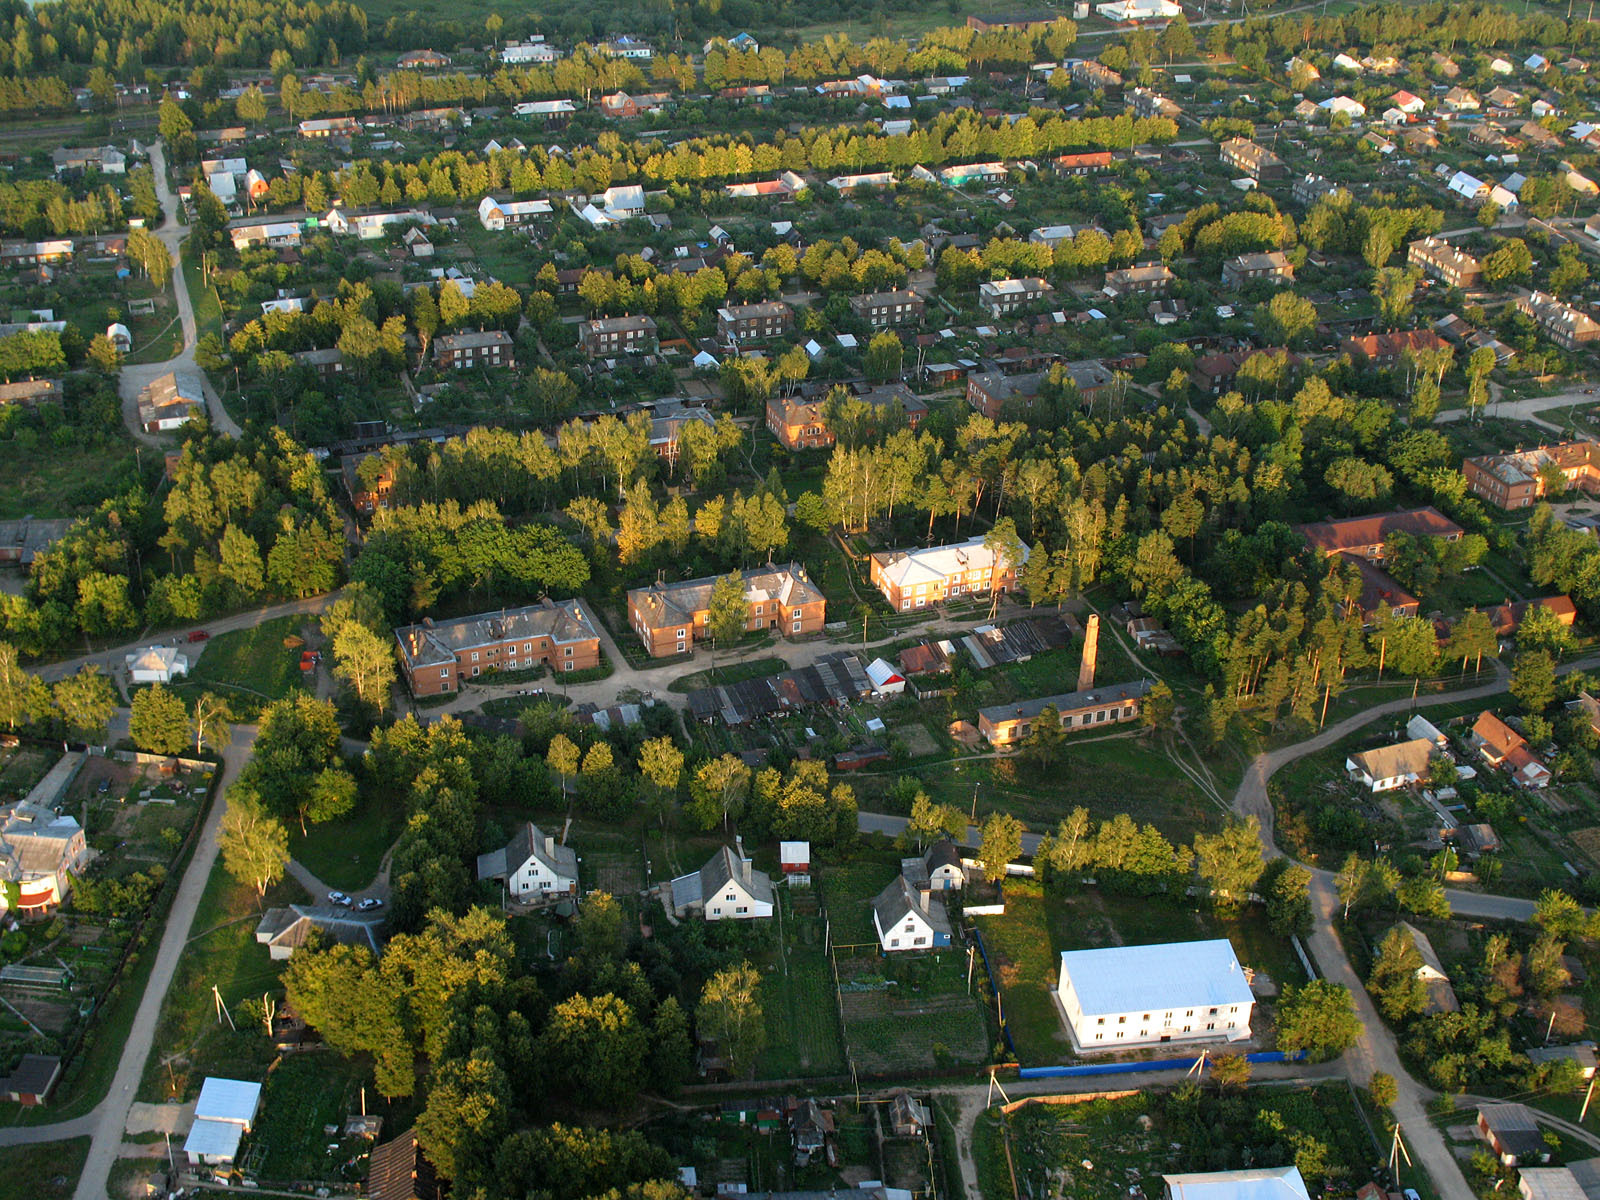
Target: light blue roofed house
x: 1130, y: 996
x: 1255, y: 1183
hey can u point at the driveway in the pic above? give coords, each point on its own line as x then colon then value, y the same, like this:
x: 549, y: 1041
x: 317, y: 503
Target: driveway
x: 135, y: 379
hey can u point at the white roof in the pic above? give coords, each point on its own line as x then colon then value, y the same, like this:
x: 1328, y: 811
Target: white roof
x: 213, y: 1139
x: 1260, y: 1183
x: 794, y: 852
x: 157, y: 658
x: 1548, y: 1183
x: 1123, y: 979
x: 847, y: 340
x: 1420, y: 727
x: 883, y: 675
x: 228, y: 1100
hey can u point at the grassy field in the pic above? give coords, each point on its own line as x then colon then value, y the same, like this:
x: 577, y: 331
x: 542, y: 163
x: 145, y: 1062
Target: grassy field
x: 48, y: 1171
x: 51, y: 479
x: 733, y: 672
x: 207, y: 304
x: 221, y: 952
x: 346, y: 853
x: 1097, y: 1150
x: 303, y: 1093
x: 251, y: 665
x: 1025, y: 944
x: 801, y: 1012
x: 1107, y: 775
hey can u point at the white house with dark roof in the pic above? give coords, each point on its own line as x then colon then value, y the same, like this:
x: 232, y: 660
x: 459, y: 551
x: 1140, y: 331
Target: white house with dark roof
x: 1123, y: 996
x: 284, y: 930
x: 727, y: 888
x: 1388, y: 767
x: 532, y: 864
x: 939, y: 869
x: 907, y: 917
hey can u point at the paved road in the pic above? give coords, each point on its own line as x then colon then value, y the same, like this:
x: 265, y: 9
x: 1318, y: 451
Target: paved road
x: 1376, y: 1051
x: 1527, y: 410
x: 111, y: 660
x: 106, y: 1122
x: 134, y: 378
x: 624, y: 676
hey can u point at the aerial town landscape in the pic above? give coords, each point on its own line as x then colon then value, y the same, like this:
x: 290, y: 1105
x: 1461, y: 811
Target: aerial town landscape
x: 806, y: 601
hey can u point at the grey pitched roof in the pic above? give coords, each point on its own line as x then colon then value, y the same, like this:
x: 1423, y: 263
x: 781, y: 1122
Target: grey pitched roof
x: 943, y: 853
x: 898, y: 899
x: 528, y: 842
x: 723, y: 866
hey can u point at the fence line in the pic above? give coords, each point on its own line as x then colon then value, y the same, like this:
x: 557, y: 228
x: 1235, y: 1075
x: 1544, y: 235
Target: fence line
x: 1160, y: 1064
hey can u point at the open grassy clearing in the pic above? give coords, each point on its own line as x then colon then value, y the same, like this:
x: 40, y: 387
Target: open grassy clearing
x: 251, y: 666
x: 47, y: 1171
x: 1026, y: 942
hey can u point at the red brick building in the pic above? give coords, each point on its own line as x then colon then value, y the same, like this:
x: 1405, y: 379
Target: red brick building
x: 436, y: 657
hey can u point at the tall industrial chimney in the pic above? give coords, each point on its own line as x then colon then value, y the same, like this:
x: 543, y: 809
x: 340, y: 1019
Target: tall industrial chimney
x: 1091, y: 650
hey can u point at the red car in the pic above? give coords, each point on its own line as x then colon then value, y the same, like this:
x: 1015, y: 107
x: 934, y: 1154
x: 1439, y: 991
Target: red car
x: 199, y: 635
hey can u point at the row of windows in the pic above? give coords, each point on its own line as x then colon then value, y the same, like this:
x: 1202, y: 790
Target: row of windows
x: 1210, y: 1025
x: 512, y: 650
x: 1123, y: 1020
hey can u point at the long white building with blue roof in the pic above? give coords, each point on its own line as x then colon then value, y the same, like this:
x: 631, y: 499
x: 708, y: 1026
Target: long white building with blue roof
x: 1144, y: 995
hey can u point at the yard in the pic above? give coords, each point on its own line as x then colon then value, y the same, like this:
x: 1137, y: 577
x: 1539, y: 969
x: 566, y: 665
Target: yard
x: 1024, y: 947
x: 304, y: 1093
x: 347, y: 853
x: 1116, y: 1149
x: 192, y: 1040
x: 801, y: 1010
x: 48, y: 1171
x: 905, y: 1012
x: 250, y: 666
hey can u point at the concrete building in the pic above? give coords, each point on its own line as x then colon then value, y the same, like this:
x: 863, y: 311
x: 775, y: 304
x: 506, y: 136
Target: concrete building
x: 1256, y: 161
x: 1519, y: 479
x: 436, y: 656
x: 884, y: 309
x: 1121, y: 997
x: 1146, y: 279
x: 1566, y: 326
x: 761, y: 322
x: 1253, y: 1183
x: 224, y: 1113
x: 1271, y: 267
x: 1002, y: 296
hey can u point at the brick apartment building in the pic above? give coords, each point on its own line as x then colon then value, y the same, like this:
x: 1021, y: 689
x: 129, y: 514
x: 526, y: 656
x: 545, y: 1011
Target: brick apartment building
x: 1444, y: 262
x: 754, y: 322
x: 883, y: 309
x: 670, y: 617
x: 1254, y: 160
x: 912, y: 579
x: 463, y: 351
x: 1364, y: 536
x: 1517, y: 479
x: 437, y: 656
x: 617, y: 335
x: 799, y: 424
x: 1387, y: 349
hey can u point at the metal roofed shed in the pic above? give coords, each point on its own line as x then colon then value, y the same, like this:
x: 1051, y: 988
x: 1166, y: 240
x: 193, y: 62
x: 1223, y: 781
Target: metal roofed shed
x: 1259, y: 1183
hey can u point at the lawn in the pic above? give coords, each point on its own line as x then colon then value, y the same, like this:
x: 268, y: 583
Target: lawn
x: 1025, y: 943
x: 251, y: 665
x: 207, y: 304
x: 303, y: 1093
x: 1103, y: 1149
x: 905, y: 1013
x: 346, y: 853
x: 1120, y: 773
x: 733, y: 672
x: 222, y: 952
x: 801, y: 1011
x: 57, y: 478
x: 48, y: 1171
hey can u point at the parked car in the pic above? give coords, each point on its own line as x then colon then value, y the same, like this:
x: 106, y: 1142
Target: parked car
x: 199, y: 635
x: 370, y: 904
x: 339, y: 898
